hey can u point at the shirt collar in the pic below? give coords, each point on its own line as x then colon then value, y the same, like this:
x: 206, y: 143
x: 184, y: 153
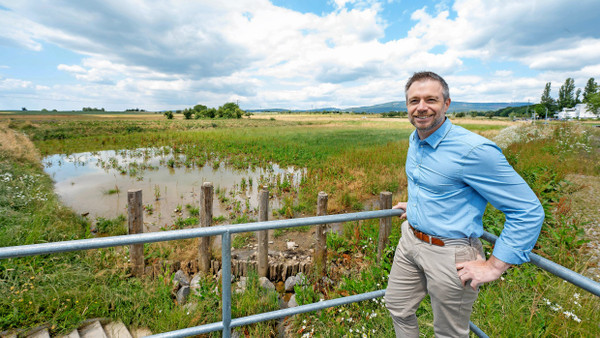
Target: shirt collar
x: 434, y: 139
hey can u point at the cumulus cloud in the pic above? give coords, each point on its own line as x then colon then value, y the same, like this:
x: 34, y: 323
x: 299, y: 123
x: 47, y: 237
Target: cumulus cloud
x: 179, y: 53
x: 14, y: 85
x: 542, y: 35
x: 72, y: 69
x: 17, y: 31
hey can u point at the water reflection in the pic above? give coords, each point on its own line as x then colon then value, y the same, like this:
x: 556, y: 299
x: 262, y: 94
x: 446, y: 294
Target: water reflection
x: 97, y: 183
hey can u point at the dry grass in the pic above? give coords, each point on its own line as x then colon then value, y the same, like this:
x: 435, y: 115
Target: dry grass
x: 17, y: 146
x: 374, y: 117
x: 314, y: 117
x: 498, y: 121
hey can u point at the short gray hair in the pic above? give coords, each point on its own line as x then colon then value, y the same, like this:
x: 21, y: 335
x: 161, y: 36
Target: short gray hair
x: 426, y: 75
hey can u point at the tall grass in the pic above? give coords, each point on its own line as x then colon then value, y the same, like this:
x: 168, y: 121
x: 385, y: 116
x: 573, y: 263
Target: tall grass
x: 353, y: 162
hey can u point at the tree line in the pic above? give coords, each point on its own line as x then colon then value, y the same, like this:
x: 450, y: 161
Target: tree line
x: 568, y: 96
x: 229, y: 110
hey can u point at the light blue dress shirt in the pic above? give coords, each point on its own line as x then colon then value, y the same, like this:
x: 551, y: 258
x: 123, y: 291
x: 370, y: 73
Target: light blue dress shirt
x: 453, y: 174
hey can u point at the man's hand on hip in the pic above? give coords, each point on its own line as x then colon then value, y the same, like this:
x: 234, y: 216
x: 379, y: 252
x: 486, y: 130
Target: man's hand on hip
x: 481, y: 271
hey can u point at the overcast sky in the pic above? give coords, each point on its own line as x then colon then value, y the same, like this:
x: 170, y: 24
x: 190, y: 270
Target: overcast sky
x: 296, y: 54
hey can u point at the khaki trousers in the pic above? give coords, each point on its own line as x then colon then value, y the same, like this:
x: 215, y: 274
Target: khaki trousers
x: 421, y: 268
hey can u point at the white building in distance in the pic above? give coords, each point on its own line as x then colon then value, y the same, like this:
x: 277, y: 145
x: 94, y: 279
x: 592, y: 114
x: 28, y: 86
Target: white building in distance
x: 580, y: 111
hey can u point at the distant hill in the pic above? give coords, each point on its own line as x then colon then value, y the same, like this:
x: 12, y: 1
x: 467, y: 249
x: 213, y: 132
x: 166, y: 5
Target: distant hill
x: 456, y: 106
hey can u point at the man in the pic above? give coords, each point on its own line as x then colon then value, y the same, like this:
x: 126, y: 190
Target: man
x: 452, y: 175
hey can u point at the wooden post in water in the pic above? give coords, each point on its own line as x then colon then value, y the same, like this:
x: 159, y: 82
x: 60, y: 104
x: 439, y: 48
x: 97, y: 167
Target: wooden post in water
x: 135, y: 221
x: 263, y: 235
x: 320, y: 257
x: 385, y: 224
x: 206, y: 215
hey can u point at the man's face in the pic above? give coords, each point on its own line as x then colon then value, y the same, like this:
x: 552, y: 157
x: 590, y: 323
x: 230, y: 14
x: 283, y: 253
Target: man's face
x: 426, y: 106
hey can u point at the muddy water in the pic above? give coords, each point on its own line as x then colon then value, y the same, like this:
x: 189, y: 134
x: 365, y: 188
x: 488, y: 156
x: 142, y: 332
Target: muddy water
x: 96, y: 184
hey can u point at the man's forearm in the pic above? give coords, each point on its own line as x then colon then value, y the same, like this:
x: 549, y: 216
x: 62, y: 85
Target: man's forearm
x: 497, y: 265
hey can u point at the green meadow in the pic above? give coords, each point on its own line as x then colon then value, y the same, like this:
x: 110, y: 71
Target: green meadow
x: 350, y: 157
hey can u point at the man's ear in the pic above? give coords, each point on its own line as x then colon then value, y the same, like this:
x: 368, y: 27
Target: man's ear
x: 447, y: 104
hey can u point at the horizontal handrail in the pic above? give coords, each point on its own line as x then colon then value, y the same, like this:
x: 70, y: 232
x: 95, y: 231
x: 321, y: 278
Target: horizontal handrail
x: 261, y: 317
x: 556, y: 269
x: 162, y: 236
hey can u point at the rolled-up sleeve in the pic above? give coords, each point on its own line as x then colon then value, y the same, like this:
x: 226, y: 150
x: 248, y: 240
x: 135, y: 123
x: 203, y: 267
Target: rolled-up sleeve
x: 488, y: 172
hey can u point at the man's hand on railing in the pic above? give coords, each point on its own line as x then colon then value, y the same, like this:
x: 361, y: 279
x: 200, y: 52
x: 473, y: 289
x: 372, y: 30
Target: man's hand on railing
x: 401, y: 205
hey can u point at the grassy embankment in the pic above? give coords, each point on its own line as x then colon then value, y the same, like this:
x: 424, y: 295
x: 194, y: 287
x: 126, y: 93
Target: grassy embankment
x: 63, y: 290
x: 351, y: 160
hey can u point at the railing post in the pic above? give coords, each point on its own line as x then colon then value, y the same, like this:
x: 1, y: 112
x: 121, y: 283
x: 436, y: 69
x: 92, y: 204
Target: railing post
x: 320, y: 258
x: 226, y: 283
x: 206, y: 214
x: 135, y: 220
x: 263, y: 236
x: 385, y: 224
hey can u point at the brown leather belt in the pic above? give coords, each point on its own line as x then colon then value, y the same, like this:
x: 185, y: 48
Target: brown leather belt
x: 426, y: 238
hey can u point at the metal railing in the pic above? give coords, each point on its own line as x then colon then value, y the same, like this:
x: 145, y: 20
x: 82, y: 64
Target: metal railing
x: 226, y: 231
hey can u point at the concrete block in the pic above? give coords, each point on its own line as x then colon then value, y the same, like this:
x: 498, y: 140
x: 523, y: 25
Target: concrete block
x: 116, y: 330
x: 93, y: 330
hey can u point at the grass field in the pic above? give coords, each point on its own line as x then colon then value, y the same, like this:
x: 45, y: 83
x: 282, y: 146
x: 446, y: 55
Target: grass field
x: 351, y: 157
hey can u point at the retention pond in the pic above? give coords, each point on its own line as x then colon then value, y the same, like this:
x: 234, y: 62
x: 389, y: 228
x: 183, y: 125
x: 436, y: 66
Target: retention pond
x: 95, y: 184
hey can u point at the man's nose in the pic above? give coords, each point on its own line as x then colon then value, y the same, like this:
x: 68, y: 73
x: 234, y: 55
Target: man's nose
x: 422, y: 106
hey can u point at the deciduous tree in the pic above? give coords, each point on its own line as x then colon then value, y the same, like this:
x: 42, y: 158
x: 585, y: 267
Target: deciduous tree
x: 187, y: 113
x: 230, y: 110
x: 546, y: 100
x: 593, y: 103
x: 591, y: 88
x: 201, y: 111
x: 566, y: 94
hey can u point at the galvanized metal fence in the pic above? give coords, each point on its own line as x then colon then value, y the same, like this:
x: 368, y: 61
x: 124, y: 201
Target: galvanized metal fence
x: 225, y: 231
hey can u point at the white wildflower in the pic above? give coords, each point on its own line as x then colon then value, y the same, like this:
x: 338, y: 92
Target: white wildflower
x: 570, y: 314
